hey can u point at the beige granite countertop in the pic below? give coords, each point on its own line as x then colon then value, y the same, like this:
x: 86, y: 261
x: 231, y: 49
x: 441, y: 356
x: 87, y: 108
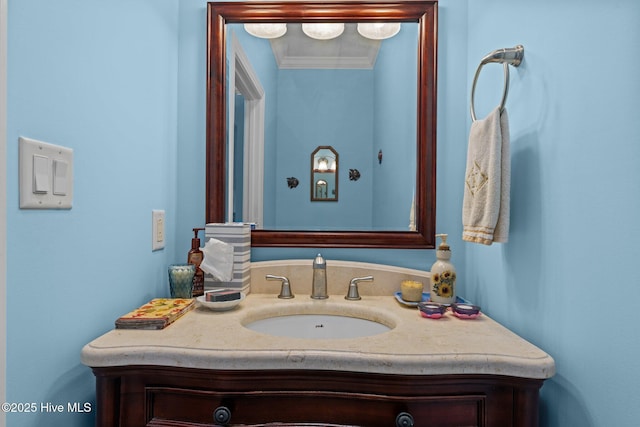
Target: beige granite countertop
x: 417, y: 346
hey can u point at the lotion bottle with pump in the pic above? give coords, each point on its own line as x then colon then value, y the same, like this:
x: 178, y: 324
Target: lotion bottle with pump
x: 195, y: 257
x: 443, y: 275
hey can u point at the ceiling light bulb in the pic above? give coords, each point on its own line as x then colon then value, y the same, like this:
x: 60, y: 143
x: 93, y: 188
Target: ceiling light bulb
x: 379, y: 30
x: 266, y: 31
x: 323, y: 31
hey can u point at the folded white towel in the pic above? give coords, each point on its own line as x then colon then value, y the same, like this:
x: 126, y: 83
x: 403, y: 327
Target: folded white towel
x: 485, y: 209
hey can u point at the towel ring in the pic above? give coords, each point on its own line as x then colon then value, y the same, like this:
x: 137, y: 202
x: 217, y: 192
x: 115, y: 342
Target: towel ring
x: 505, y: 89
x: 505, y: 56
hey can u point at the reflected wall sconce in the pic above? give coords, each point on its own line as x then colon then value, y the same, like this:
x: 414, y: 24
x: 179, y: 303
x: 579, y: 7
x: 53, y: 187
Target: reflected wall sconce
x: 266, y: 31
x: 326, y: 164
x: 323, y: 164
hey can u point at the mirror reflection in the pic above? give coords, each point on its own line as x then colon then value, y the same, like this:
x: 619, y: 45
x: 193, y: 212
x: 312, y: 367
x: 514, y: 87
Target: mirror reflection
x: 357, y: 92
x: 324, y: 175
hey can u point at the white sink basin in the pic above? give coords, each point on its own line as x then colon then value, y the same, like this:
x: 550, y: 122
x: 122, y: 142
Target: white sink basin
x: 321, y: 326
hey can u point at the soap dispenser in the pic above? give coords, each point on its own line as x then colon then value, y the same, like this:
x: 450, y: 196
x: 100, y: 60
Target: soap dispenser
x: 195, y: 257
x: 443, y: 275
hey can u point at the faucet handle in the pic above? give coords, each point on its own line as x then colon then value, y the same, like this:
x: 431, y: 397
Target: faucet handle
x: 352, y: 293
x: 285, y: 290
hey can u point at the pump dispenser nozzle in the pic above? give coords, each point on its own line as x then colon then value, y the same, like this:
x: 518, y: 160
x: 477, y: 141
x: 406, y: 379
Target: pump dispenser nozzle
x: 444, y: 246
x: 195, y: 242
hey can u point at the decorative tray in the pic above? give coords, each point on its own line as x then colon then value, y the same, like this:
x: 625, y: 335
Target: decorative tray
x: 425, y: 298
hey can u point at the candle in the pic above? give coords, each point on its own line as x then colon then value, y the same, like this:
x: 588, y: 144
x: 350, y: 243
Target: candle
x: 181, y: 280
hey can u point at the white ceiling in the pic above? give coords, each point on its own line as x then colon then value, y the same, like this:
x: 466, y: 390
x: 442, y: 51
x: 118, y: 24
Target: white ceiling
x: 350, y: 50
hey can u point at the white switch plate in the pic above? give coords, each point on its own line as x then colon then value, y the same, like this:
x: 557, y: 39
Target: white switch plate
x: 157, y: 230
x: 54, y: 189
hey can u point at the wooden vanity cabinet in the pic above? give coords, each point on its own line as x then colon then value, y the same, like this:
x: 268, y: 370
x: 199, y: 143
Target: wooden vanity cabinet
x: 134, y: 396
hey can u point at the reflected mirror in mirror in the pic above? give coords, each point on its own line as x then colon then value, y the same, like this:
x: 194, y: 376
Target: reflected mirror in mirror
x: 362, y: 95
x: 324, y: 175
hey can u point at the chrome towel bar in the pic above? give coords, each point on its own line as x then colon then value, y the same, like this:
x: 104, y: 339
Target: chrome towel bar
x: 506, y: 56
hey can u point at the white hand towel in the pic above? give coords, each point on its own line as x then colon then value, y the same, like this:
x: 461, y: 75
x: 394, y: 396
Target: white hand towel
x: 485, y: 208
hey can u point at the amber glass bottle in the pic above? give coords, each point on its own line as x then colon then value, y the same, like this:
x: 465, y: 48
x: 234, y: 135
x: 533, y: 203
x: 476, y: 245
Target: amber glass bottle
x: 195, y: 257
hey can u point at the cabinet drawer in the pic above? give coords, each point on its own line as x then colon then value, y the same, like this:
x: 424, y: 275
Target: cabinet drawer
x: 258, y: 407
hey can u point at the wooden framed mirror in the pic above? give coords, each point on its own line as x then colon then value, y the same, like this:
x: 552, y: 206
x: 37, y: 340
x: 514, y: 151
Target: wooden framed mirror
x: 420, y: 233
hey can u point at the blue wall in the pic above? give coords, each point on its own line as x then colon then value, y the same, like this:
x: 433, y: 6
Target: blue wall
x: 135, y: 99
x: 571, y: 261
x: 238, y: 164
x: 394, y: 125
x: 308, y: 101
x: 83, y: 74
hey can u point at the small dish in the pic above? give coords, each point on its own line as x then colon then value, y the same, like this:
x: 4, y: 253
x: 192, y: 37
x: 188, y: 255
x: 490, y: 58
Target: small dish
x: 398, y: 295
x: 432, y: 310
x: 465, y: 311
x: 425, y: 298
x: 220, y: 305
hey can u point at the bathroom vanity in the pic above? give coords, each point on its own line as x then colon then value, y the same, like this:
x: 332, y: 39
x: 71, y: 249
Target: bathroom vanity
x: 162, y: 396
x: 208, y: 368
x: 208, y: 365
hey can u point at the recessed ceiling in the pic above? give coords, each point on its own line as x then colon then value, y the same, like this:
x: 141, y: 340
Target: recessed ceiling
x: 350, y: 50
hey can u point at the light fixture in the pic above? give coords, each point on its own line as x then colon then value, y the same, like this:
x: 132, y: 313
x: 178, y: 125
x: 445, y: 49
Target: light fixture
x: 323, y: 164
x: 266, y: 31
x: 323, y: 31
x: 378, y: 30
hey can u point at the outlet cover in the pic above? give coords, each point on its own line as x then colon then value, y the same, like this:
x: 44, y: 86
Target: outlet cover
x: 157, y: 230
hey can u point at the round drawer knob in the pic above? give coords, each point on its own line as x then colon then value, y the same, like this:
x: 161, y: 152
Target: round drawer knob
x: 222, y: 415
x: 404, y: 419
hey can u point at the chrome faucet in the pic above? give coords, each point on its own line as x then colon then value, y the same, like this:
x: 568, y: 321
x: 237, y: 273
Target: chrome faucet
x: 285, y: 288
x: 352, y: 293
x: 319, y: 285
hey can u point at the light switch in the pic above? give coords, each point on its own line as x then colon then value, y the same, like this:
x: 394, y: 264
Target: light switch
x: 40, y: 174
x: 46, y: 175
x: 60, y: 177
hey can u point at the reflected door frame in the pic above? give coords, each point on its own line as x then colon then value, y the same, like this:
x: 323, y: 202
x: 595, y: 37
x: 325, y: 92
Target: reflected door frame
x: 243, y: 78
